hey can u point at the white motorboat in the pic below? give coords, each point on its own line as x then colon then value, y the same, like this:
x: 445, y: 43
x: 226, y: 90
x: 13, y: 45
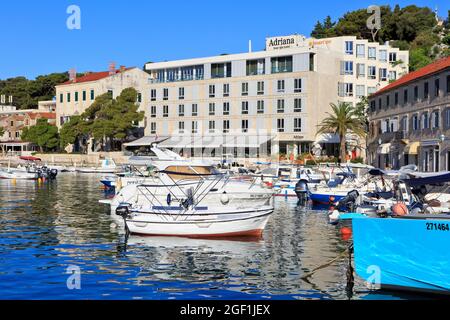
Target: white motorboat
x: 106, y: 166
x: 17, y: 175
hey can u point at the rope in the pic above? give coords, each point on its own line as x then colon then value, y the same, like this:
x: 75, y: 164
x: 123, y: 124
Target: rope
x: 308, y: 275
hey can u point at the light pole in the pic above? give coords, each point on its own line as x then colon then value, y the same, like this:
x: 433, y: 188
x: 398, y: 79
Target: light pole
x: 379, y: 154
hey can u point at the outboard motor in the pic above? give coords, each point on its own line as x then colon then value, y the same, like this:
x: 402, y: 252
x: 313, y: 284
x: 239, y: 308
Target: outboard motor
x: 302, y: 190
x: 348, y: 204
x: 52, y: 174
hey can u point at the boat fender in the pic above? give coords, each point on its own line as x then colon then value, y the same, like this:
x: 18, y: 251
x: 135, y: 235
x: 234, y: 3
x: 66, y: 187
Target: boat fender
x: 169, y: 199
x: 400, y: 209
x: 334, y: 217
x: 225, y: 199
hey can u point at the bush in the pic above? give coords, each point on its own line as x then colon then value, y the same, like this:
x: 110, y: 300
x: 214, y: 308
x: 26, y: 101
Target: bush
x: 357, y: 160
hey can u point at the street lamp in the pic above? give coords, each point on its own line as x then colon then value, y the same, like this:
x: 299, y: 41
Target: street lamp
x: 441, y: 141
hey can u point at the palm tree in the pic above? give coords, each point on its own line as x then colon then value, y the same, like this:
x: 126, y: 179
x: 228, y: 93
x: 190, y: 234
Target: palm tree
x: 343, y: 119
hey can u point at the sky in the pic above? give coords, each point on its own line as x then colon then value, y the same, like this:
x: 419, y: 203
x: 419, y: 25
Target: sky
x: 35, y: 39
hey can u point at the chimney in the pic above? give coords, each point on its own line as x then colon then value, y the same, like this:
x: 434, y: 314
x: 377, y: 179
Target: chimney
x: 112, y: 68
x: 73, y: 75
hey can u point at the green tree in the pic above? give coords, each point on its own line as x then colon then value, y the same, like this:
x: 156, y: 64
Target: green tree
x: 72, y: 132
x: 343, y: 119
x: 111, y: 120
x: 418, y: 59
x: 43, y: 135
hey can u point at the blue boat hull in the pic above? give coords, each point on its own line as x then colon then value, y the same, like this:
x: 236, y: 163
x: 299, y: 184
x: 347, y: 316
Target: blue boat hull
x: 403, y: 254
x: 318, y: 198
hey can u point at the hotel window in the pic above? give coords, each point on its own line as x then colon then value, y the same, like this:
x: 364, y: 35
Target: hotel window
x: 379, y: 104
x: 181, y: 110
x: 194, y: 110
x: 194, y: 127
x: 298, y: 85
x: 256, y: 67
x: 226, y: 90
x: 372, y: 53
x: 181, y: 127
x: 17, y: 134
x: 372, y: 72
x: 405, y: 96
x: 297, y: 125
x: 280, y: 106
x: 415, y: 122
x: 153, y: 111
x: 76, y: 96
x: 297, y: 105
x: 260, y: 107
x: 426, y: 90
x: 448, y: 84
x: 212, y: 91
x: 61, y: 98
x: 165, y: 94
x: 153, y: 128
x: 346, y: 68
x: 360, y: 70
x: 244, y: 107
x: 396, y: 98
x: 392, y: 75
x: 212, y: 126
x: 371, y: 90
x: 181, y: 93
x: 221, y: 70
x: 68, y: 97
x: 383, y: 55
x: 345, y: 89
x: 84, y: 95
x: 165, y: 111
x: 280, y: 85
x: 153, y: 95
x: 244, y: 126
x: 280, y: 125
x: 282, y: 64
x: 360, y: 50
x: 92, y: 95
x: 392, y: 57
x: 360, y: 91
x: 226, y: 126
x: 404, y: 124
x: 416, y: 93
x: 245, y: 88
x: 425, y: 120
x: 383, y: 74
x: 212, y: 109
x: 435, y: 119
x: 260, y: 87
x: 436, y: 88
x: 226, y: 108
x: 349, y: 47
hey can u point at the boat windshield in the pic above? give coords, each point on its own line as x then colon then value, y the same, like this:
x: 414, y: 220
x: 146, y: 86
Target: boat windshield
x: 185, y: 171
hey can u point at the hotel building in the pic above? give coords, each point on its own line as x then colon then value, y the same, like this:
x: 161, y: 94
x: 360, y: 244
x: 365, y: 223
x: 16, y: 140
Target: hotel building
x: 410, y: 120
x: 266, y: 102
x: 75, y: 96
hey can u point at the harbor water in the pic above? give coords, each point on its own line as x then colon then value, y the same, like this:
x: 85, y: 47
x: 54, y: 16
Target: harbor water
x: 54, y: 231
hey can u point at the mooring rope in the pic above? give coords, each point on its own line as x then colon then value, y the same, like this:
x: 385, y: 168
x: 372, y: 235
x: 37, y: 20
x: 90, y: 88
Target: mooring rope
x: 323, y: 266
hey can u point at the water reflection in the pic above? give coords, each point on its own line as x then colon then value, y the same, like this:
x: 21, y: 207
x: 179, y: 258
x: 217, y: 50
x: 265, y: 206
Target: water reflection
x: 46, y: 228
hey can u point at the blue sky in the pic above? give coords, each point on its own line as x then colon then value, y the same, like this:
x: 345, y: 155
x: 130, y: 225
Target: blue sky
x: 35, y: 39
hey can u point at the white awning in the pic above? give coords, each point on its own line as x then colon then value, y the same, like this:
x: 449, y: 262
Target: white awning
x: 384, y: 148
x: 146, y: 141
x: 216, y: 141
x: 334, y: 138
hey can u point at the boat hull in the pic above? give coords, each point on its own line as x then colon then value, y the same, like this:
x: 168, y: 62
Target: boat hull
x: 325, y: 198
x: 403, y: 254
x: 210, y: 225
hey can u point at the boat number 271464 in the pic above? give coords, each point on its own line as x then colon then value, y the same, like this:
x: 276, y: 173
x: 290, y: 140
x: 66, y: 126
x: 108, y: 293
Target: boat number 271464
x: 437, y: 226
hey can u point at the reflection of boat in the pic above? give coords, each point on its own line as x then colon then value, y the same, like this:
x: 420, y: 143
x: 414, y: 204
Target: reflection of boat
x: 409, y: 253
x: 106, y: 166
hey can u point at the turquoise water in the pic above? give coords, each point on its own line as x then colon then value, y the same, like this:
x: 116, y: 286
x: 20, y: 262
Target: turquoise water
x: 46, y: 229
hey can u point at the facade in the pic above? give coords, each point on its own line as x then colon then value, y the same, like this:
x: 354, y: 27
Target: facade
x: 267, y: 102
x: 74, y: 97
x: 410, y: 120
x: 13, y: 122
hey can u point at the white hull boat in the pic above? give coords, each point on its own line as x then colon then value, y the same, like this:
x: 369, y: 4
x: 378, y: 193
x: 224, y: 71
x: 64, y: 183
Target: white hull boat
x: 17, y: 175
x: 195, y: 224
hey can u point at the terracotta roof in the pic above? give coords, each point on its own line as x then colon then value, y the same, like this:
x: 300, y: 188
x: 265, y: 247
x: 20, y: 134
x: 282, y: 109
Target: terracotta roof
x: 428, y: 70
x: 46, y: 115
x: 94, y: 76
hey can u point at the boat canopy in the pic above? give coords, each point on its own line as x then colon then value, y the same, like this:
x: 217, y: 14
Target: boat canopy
x: 421, y: 179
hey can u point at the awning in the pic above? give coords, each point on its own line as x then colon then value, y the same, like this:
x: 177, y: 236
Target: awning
x: 179, y: 142
x: 334, y: 138
x: 146, y: 141
x: 412, y: 148
x: 216, y: 141
x: 384, y: 148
